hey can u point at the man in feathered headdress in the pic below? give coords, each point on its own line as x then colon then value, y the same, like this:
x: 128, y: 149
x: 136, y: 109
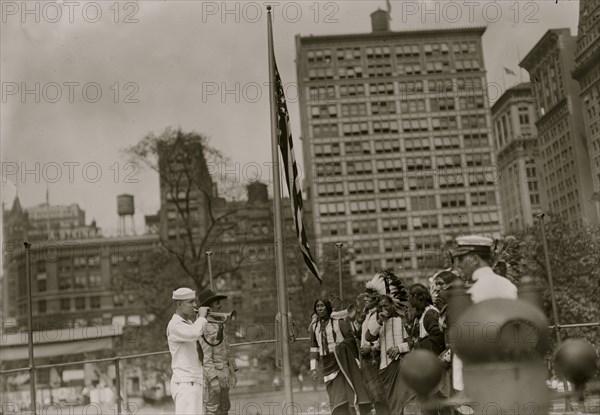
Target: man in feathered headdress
x: 393, y: 338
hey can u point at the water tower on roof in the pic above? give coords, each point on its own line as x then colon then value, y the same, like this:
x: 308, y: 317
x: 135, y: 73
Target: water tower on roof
x: 125, y: 209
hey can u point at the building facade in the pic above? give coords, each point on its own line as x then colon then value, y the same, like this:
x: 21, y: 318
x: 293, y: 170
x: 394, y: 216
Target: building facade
x: 72, y: 282
x: 397, y: 142
x: 564, y: 154
x: 513, y: 118
x: 587, y: 73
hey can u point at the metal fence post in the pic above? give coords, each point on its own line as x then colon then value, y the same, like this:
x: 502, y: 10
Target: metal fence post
x: 118, y: 384
x: 32, y: 393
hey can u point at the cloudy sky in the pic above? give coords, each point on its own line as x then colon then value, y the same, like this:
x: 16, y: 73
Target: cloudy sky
x: 83, y: 80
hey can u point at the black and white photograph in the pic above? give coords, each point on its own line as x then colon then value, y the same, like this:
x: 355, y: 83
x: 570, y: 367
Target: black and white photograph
x: 310, y: 207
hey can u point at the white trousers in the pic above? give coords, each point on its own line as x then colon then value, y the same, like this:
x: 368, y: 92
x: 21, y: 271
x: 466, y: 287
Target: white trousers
x: 457, y: 374
x: 188, y: 398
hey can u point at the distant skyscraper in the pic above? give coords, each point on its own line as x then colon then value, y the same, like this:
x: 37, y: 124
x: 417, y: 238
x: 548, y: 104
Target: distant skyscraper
x: 564, y: 154
x: 513, y: 118
x: 397, y: 142
x: 587, y: 73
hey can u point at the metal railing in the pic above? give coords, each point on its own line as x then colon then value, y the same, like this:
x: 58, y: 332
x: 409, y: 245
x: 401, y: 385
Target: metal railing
x: 117, y: 360
x: 117, y: 363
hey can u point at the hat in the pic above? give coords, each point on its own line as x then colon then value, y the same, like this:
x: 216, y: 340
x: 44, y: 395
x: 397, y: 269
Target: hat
x: 207, y: 296
x: 474, y: 244
x: 184, y: 294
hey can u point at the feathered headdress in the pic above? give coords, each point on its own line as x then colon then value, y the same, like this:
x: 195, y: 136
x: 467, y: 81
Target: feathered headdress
x: 385, y: 282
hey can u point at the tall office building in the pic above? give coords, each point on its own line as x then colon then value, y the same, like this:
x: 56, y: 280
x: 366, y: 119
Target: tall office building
x: 397, y: 142
x: 513, y: 119
x: 564, y: 153
x: 587, y: 73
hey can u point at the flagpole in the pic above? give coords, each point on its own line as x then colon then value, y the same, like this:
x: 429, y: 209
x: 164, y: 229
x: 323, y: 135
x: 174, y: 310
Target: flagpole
x: 278, y: 225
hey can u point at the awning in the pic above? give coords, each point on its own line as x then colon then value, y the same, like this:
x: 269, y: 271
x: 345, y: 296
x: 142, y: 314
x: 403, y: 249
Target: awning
x: 63, y: 342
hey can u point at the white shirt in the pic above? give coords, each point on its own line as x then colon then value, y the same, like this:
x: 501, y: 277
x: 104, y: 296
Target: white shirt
x: 489, y: 285
x: 392, y: 334
x: 182, y: 336
x: 373, y: 326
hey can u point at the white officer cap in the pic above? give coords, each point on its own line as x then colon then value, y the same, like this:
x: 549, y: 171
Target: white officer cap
x: 184, y: 294
x: 472, y: 244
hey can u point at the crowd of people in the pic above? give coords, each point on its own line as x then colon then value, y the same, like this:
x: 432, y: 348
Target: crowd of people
x: 361, y: 348
x: 362, y: 352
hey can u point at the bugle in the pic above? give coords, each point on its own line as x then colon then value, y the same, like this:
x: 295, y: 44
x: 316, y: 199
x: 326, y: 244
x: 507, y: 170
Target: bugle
x: 221, y: 318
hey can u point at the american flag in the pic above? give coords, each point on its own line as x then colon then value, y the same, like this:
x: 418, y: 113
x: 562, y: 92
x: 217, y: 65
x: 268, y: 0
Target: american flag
x: 286, y: 145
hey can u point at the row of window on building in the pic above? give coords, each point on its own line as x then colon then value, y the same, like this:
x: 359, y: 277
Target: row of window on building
x: 415, y: 88
x: 82, y: 303
x: 390, y: 107
x: 351, y: 54
x: 409, y: 204
x: 423, y: 124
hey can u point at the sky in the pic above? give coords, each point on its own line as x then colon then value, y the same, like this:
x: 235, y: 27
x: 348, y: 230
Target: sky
x: 81, y: 81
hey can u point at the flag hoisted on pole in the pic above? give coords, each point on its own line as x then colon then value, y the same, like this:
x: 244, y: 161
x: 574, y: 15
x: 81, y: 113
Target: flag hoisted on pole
x: 282, y: 298
x: 286, y: 145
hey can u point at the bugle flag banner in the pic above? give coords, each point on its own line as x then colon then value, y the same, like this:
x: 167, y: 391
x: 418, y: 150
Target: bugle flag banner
x: 286, y: 145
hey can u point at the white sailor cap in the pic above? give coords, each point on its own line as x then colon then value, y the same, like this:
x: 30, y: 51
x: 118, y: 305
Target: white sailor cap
x: 184, y: 294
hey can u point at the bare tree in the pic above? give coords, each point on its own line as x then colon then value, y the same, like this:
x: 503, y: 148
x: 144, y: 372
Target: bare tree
x: 193, y: 215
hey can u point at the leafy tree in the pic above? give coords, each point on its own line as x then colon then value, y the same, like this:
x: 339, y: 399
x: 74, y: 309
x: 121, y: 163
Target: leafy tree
x: 575, y: 265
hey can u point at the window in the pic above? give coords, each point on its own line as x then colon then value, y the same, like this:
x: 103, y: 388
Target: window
x: 350, y: 72
x: 389, y: 165
x: 95, y: 302
x: 323, y: 111
x: 473, y: 121
x: 408, y: 51
x: 65, y: 304
x: 356, y: 128
x: 418, y: 163
x: 328, y: 169
x: 394, y: 224
x: 451, y: 179
x: 330, y: 189
x: 483, y: 198
x: 391, y: 205
x: 422, y: 202
x: 95, y: 280
x: 327, y: 150
x: 352, y: 90
x: 41, y: 306
x: 453, y: 200
x: 331, y: 209
x: 420, y: 183
x: 446, y: 142
x: 65, y: 282
x: 471, y: 102
x: 361, y: 187
x: 333, y: 228
x: 320, y: 73
x: 415, y: 125
x: 354, y: 109
x: 447, y: 161
x: 366, y: 226
x: 390, y: 185
x: 442, y: 104
x: 416, y: 144
x: 80, y: 281
x: 485, y: 218
x: 412, y: 106
x: 322, y: 93
x: 325, y: 130
x: 384, y: 127
x: 358, y: 147
x: 381, y: 89
x: 475, y: 140
x: 443, y: 123
x: 41, y: 282
x: 478, y: 159
x: 383, y: 107
x: 363, y: 206
x: 387, y: 146
x: 80, y: 303
x: 455, y: 220
x: 359, y: 167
